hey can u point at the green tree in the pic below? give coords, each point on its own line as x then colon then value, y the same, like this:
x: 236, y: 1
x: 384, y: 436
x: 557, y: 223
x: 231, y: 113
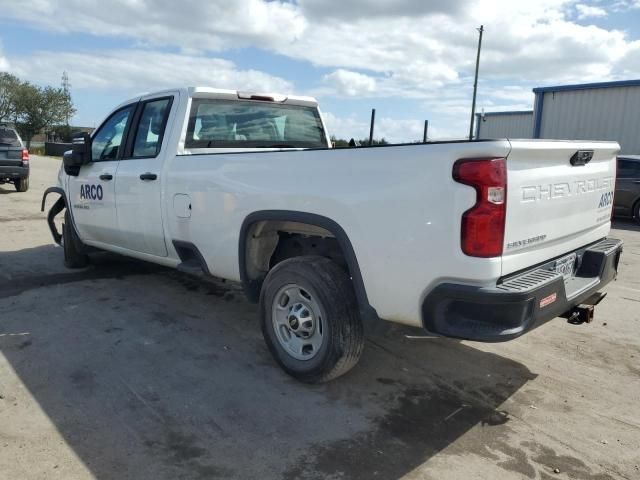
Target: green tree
x: 341, y: 142
x: 39, y: 109
x: 9, y: 85
x: 382, y: 141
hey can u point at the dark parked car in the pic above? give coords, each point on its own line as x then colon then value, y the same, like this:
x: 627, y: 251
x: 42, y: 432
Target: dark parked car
x: 627, y: 198
x: 14, y: 159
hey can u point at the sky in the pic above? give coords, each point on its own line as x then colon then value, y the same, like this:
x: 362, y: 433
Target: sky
x: 412, y: 60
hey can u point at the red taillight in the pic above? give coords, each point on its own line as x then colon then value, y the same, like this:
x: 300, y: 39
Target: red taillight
x: 25, y: 157
x: 482, y: 232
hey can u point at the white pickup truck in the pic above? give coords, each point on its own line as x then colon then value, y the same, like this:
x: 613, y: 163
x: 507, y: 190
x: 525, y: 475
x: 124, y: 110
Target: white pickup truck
x: 478, y: 240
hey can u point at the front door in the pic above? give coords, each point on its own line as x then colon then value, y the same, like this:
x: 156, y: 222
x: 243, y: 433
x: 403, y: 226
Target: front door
x: 92, y: 192
x: 139, y: 180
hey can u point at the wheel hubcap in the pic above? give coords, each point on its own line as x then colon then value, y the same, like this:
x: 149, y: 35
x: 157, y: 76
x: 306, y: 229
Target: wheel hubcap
x: 297, y: 321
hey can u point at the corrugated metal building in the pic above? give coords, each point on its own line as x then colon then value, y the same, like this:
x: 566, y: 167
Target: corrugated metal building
x: 516, y: 124
x: 591, y: 111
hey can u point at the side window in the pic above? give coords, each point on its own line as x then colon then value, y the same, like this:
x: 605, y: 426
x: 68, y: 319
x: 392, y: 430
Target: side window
x: 107, y: 141
x: 150, y: 128
x: 628, y: 169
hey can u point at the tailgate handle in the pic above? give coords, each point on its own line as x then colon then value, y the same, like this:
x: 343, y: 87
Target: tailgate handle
x: 581, y: 157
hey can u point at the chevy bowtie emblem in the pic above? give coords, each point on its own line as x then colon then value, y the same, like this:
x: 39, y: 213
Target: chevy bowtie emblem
x: 581, y: 157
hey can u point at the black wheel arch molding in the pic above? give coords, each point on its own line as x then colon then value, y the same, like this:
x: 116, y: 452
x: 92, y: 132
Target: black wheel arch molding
x: 55, y: 210
x: 252, y: 287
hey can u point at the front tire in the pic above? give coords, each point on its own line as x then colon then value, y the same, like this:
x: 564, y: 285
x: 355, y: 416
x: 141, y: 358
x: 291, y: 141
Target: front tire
x: 310, y: 319
x: 636, y: 212
x: 22, y: 184
x: 72, y: 246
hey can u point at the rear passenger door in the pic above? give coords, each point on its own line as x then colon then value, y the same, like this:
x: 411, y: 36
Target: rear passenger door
x: 139, y: 179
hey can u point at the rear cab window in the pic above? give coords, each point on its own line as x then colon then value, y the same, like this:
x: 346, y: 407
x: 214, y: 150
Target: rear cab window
x: 215, y: 123
x: 9, y: 138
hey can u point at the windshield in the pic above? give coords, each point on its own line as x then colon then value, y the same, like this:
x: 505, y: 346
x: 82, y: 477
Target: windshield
x: 242, y: 124
x: 9, y: 137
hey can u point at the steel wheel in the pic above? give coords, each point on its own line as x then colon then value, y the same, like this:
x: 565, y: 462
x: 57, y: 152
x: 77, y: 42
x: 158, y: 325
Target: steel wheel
x: 309, y: 318
x: 297, y: 321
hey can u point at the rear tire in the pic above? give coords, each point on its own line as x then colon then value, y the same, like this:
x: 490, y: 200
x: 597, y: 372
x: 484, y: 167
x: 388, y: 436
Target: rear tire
x: 636, y: 211
x: 72, y: 246
x: 22, y: 184
x: 310, y: 319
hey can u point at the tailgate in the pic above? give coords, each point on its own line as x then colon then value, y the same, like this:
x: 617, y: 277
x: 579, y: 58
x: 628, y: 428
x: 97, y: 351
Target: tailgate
x: 554, y: 206
x: 10, y: 156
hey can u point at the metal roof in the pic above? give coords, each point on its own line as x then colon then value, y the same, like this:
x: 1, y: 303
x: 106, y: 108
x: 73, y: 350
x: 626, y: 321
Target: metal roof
x: 588, y: 86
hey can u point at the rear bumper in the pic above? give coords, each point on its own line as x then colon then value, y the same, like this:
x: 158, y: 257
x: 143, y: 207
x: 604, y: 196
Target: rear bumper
x: 11, y: 172
x: 521, y: 302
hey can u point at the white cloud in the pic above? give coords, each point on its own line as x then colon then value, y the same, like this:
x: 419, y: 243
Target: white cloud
x: 386, y: 8
x: 142, y: 70
x: 393, y: 130
x: 513, y: 93
x: 411, y: 46
x: 625, y: 5
x: 351, y: 83
x: 345, y: 127
x: 631, y: 60
x: 418, y: 49
x: 589, y: 11
x: 210, y: 25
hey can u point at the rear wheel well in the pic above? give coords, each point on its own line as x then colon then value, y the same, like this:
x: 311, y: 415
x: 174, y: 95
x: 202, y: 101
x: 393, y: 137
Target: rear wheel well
x: 269, y: 242
x: 260, y: 237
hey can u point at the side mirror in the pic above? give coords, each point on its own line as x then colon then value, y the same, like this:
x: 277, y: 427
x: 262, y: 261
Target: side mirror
x: 80, y: 154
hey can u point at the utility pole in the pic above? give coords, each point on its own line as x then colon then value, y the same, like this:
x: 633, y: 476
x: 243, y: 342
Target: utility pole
x: 373, y: 121
x: 475, y: 83
x: 424, y: 133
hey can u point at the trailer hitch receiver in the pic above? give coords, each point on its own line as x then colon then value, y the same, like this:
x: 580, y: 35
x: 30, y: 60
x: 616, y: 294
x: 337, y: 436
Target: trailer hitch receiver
x: 585, y: 312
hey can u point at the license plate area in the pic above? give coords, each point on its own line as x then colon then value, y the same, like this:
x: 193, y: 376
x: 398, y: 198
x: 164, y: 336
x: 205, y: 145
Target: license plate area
x: 565, y: 266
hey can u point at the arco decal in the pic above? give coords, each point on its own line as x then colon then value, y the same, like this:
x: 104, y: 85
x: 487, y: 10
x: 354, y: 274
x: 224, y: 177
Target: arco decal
x: 606, y: 199
x: 91, y: 192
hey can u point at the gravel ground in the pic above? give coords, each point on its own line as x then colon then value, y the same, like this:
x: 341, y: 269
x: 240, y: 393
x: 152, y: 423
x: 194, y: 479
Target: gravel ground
x: 127, y: 370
